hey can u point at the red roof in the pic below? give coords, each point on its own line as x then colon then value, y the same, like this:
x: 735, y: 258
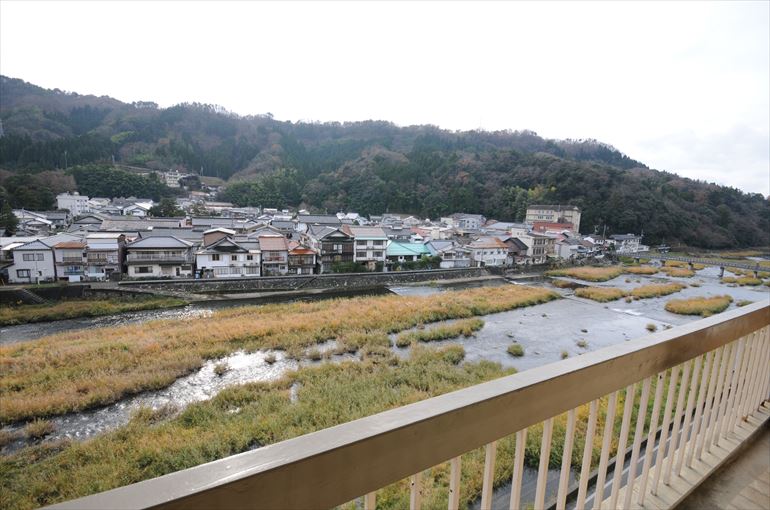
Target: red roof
x: 70, y: 244
x: 542, y: 226
x: 273, y: 243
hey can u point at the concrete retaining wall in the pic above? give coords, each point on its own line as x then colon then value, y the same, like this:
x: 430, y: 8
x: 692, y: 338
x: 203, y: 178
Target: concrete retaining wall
x: 326, y: 281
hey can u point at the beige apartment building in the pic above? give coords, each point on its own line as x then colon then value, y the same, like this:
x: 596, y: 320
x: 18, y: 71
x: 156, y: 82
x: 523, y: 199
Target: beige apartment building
x: 555, y: 214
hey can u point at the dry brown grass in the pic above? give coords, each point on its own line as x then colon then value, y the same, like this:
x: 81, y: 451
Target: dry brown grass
x: 742, y: 280
x: 590, y: 274
x: 656, y: 290
x: 646, y: 270
x: 704, y: 306
x: 11, y: 315
x: 83, y: 369
x: 600, y: 294
x: 678, y: 272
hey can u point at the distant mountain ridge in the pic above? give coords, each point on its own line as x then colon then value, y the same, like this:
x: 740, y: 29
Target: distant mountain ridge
x: 373, y: 166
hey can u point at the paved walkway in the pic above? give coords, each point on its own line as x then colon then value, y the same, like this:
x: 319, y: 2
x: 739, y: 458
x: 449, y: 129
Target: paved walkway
x: 743, y: 484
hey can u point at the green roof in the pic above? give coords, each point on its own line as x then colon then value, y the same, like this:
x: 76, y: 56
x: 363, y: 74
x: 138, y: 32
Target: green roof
x: 396, y: 249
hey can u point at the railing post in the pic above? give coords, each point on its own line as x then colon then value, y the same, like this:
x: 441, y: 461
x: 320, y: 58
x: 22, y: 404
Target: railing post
x: 660, y: 457
x: 620, y: 455
x: 542, y: 471
x: 588, y: 450
x: 641, y: 416
x: 651, y: 437
x: 490, y: 454
x: 415, y: 493
x: 677, y: 420
x: 609, y: 429
x: 566, y: 461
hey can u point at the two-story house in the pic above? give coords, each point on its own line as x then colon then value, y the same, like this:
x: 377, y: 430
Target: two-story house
x: 331, y: 244
x: 105, y: 253
x: 33, y: 262
x: 70, y: 259
x: 538, y: 247
x: 275, y: 255
x: 370, y: 244
x: 160, y: 257
x: 399, y: 251
x: 452, y: 253
x: 228, y: 257
x: 488, y: 251
x: 302, y: 260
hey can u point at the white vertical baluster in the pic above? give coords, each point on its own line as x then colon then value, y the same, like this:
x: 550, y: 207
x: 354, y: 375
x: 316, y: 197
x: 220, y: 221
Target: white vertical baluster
x: 764, y: 392
x: 370, y: 501
x: 415, y: 493
x: 588, y: 450
x: 490, y: 455
x: 742, y: 369
x: 762, y: 370
x: 720, y: 396
x: 750, y: 378
x: 683, y: 441
x: 651, y: 437
x: 620, y: 456
x: 566, y: 461
x: 542, y: 470
x: 641, y: 416
x: 710, y: 402
x: 454, y: 483
x: 731, y: 380
x: 609, y: 429
x: 661, y: 455
x: 677, y: 421
x: 518, y: 469
x: 696, y: 421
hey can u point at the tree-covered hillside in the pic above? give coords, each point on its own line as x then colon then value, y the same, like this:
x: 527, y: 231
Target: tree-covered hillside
x: 371, y: 166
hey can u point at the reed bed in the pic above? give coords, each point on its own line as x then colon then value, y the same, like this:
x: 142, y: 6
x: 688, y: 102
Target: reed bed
x: 464, y: 327
x: 704, y: 306
x: 601, y: 294
x: 645, y: 270
x: 591, y: 274
x: 656, y: 290
x: 83, y: 369
x: 678, y: 272
x: 23, y: 314
x: 742, y: 280
x: 606, y: 294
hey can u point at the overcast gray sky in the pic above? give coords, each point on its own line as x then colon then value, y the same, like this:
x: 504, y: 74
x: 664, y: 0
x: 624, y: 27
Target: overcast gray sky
x: 683, y: 87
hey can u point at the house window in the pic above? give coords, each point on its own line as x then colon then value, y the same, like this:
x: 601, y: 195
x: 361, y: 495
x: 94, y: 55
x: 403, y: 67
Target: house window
x: 361, y: 254
x: 233, y: 257
x: 337, y: 247
x: 22, y: 273
x: 143, y: 269
x: 215, y: 257
x: 249, y: 257
x: 378, y: 254
x: 32, y: 256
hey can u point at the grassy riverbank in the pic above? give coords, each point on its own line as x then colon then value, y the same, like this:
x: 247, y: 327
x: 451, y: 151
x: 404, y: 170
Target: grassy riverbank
x: 606, y: 294
x: 70, y: 309
x: 83, y: 369
x: 250, y: 415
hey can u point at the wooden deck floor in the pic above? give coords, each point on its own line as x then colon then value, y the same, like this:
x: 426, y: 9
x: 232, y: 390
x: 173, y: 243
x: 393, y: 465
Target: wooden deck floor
x: 743, y: 484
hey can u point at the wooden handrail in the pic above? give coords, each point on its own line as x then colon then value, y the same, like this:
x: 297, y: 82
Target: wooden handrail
x: 334, y: 465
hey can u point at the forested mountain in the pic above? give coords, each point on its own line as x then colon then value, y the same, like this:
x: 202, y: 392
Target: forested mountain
x: 370, y: 167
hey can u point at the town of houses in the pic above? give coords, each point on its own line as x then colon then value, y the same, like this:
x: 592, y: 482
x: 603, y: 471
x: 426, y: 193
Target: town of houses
x: 96, y: 239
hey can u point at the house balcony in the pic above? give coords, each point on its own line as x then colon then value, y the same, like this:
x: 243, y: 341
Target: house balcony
x: 703, y: 390
x: 102, y: 261
x: 275, y: 259
x: 71, y: 260
x: 160, y: 258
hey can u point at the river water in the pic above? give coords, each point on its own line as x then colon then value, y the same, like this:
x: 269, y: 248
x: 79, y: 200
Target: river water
x: 545, y: 332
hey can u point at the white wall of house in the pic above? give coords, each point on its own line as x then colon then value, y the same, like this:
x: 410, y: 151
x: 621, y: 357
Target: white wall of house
x: 32, y: 266
x: 489, y: 256
x: 370, y: 250
x: 149, y: 270
x: 77, y: 204
x: 225, y: 265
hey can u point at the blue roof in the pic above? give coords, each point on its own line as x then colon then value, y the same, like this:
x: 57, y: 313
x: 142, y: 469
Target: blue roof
x: 396, y: 249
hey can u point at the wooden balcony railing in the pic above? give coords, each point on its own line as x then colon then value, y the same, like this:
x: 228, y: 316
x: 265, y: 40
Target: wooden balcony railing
x: 703, y: 390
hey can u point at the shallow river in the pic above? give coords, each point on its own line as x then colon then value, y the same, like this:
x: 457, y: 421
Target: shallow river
x: 545, y: 331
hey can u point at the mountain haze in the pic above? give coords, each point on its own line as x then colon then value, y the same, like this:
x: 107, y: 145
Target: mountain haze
x: 370, y: 167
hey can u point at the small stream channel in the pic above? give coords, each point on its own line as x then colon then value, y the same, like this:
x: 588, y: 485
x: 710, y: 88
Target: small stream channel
x: 545, y: 331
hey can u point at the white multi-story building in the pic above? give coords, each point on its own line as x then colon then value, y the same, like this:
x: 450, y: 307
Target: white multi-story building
x: 554, y: 214
x: 369, y: 245
x: 76, y: 203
